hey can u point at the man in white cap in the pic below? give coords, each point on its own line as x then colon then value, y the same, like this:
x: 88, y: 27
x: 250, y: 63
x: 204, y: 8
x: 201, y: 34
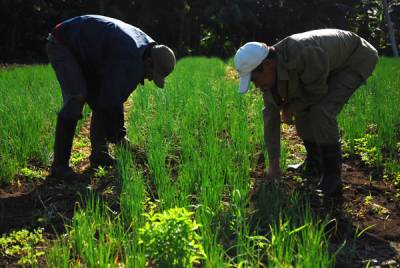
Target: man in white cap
x: 307, y: 77
x: 100, y: 61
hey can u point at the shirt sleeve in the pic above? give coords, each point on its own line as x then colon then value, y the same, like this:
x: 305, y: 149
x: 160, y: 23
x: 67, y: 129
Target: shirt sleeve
x: 272, y: 126
x: 120, y: 80
x: 313, y: 63
x: 114, y: 123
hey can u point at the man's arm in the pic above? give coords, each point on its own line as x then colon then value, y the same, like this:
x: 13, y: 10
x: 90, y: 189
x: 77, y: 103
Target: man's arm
x: 116, y: 86
x: 272, y: 135
x: 114, y: 123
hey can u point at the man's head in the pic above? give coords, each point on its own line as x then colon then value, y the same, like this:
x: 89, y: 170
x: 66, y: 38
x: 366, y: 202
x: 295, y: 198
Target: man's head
x: 256, y: 62
x: 159, y: 65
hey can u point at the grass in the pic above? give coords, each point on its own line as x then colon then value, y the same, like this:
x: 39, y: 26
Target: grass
x: 371, y: 120
x: 200, y: 141
x: 29, y: 101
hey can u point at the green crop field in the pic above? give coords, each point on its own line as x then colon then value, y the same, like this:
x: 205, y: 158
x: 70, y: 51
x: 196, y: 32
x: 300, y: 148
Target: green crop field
x: 184, y: 194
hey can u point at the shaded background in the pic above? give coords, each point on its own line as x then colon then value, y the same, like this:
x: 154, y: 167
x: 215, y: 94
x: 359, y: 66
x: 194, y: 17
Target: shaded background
x: 196, y: 27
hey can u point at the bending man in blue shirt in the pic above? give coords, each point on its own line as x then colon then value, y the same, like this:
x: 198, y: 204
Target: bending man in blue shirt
x: 100, y: 61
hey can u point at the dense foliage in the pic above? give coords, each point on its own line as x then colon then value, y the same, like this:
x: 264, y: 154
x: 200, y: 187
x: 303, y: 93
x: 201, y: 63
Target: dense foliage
x: 193, y: 27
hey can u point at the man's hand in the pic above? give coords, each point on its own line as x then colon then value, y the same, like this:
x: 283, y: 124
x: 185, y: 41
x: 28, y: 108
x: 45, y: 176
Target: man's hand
x: 274, y: 171
x: 287, y: 116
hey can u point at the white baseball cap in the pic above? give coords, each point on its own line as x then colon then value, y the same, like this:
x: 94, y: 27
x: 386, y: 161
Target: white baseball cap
x: 246, y: 59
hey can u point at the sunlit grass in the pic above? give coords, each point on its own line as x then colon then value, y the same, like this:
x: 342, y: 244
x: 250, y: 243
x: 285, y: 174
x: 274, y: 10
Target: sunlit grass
x: 29, y: 99
x: 200, y: 140
x: 374, y: 110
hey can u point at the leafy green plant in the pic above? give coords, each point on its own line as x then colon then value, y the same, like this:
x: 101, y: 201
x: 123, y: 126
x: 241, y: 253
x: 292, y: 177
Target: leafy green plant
x: 100, y: 172
x: 31, y: 173
x: 77, y: 157
x: 23, y: 245
x: 170, y: 239
x: 368, y: 200
x: 374, y: 207
x: 379, y: 210
x: 81, y: 142
x: 365, y: 148
x: 397, y: 182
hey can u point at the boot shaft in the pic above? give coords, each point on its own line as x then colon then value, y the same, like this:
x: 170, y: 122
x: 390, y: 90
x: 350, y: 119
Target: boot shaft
x: 313, y: 160
x: 65, y: 130
x: 331, y: 181
x: 331, y: 156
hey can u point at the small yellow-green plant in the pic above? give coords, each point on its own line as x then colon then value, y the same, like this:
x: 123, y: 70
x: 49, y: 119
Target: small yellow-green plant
x: 368, y: 200
x: 368, y: 152
x: 375, y: 208
x: 31, y: 173
x: 100, y: 172
x: 81, y: 142
x: 169, y: 239
x: 23, y: 245
x: 77, y: 157
x: 397, y: 183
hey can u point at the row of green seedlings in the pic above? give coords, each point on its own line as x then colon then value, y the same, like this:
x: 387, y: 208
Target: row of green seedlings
x: 220, y: 194
x: 370, y: 121
x: 29, y: 101
x: 139, y: 236
x: 198, y: 148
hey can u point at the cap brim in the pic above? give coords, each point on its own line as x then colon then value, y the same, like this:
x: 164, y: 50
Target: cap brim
x: 244, y: 83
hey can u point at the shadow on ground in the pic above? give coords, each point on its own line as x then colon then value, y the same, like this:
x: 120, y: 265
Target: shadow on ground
x: 50, y: 203
x: 365, y: 222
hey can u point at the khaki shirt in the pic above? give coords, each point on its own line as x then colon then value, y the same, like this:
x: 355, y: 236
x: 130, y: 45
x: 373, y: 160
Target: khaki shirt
x: 304, y: 63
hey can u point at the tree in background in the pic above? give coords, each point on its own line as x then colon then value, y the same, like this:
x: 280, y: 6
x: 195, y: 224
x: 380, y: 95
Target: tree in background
x: 390, y: 29
x: 198, y: 27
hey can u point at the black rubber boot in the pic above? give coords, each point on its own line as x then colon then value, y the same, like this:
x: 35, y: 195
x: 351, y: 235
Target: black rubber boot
x: 100, y: 155
x: 311, y: 167
x: 103, y: 160
x: 60, y: 168
x: 331, y: 182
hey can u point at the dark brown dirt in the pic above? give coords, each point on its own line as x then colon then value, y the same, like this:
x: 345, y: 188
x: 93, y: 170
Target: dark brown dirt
x: 367, y: 209
x: 375, y: 223
x: 50, y: 203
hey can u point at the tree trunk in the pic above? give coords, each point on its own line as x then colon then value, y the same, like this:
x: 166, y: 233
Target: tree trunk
x: 181, y: 21
x: 390, y: 29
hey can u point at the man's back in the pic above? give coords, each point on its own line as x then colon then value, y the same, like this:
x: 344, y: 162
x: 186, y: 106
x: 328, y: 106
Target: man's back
x: 97, y: 40
x: 343, y: 49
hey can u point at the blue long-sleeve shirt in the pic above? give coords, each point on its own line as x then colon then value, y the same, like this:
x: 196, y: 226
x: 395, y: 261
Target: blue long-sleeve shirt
x: 110, y: 53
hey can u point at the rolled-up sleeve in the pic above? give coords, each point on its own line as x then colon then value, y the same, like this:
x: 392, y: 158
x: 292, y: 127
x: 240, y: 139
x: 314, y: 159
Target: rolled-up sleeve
x: 313, y: 64
x: 272, y: 126
x: 120, y: 80
x: 114, y: 123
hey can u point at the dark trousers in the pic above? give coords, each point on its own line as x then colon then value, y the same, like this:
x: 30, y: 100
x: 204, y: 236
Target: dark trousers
x: 319, y: 123
x: 74, y: 92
